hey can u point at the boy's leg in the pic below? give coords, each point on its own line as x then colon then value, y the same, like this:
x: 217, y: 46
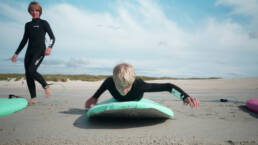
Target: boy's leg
x: 32, y: 67
x: 30, y: 80
x: 39, y: 77
x: 31, y: 85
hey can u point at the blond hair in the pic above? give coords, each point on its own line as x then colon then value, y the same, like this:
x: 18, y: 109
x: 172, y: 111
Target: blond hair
x: 35, y: 5
x: 124, y: 75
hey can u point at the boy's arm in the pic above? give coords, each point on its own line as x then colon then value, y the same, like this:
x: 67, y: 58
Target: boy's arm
x: 173, y: 89
x: 159, y: 87
x: 24, y: 40
x: 50, y: 34
x: 93, y: 100
x: 178, y: 92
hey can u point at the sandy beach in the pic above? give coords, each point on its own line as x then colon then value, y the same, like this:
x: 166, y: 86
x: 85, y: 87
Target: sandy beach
x: 60, y: 119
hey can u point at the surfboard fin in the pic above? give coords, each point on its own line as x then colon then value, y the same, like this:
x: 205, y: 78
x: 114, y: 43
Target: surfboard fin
x: 14, y: 96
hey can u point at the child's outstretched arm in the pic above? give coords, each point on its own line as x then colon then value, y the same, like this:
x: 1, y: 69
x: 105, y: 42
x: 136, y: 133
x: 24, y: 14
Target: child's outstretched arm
x: 93, y: 100
x: 90, y: 102
x: 188, y: 100
x: 173, y: 89
x: 193, y: 102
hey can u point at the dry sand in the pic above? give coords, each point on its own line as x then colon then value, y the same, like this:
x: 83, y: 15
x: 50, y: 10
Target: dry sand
x: 61, y: 118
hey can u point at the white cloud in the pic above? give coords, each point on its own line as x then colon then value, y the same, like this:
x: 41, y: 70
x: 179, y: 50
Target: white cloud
x: 77, y: 62
x: 242, y: 7
x: 14, y: 12
x: 245, y: 8
x: 116, y: 33
x: 141, y: 34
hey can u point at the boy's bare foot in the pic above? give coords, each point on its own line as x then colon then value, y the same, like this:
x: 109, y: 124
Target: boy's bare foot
x: 33, y: 100
x: 47, y: 91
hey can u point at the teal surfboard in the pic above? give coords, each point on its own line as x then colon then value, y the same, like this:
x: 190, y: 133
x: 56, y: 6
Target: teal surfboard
x: 144, y: 108
x: 9, y: 106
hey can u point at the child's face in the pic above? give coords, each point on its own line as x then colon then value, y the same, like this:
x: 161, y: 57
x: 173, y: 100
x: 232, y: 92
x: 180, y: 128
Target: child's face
x: 34, y: 13
x: 123, y: 91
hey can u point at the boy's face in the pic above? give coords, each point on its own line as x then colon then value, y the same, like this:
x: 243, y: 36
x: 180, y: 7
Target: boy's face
x: 34, y: 13
x: 123, y: 90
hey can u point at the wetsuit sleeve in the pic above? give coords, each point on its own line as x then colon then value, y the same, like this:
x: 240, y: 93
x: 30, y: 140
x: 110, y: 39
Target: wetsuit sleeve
x: 24, y: 40
x: 50, y: 34
x: 158, y: 87
x: 101, y: 89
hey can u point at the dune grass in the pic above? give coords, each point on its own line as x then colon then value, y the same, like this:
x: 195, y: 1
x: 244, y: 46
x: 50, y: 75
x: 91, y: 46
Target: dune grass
x: 8, y: 77
x: 86, y: 77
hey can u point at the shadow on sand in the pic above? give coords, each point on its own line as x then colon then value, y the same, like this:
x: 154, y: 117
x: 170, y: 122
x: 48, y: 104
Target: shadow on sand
x: 110, y: 123
x: 245, y: 109
x: 242, y: 106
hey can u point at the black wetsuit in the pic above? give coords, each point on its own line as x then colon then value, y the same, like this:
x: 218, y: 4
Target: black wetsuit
x: 35, y: 32
x: 138, y: 89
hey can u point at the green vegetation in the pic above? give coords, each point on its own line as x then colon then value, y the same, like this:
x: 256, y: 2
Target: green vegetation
x: 8, y: 77
x: 85, y: 77
x: 82, y: 77
x: 55, y: 77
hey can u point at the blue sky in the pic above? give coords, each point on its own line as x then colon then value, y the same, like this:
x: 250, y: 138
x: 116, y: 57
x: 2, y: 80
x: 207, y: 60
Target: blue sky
x: 214, y: 38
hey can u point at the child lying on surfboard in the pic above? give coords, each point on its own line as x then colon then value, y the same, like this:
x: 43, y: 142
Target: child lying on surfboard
x: 124, y: 86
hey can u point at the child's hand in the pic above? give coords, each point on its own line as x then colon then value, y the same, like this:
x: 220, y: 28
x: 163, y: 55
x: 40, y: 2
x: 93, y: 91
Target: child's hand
x: 90, y: 102
x: 48, y: 51
x: 193, y: 102
x: 14, y: 58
